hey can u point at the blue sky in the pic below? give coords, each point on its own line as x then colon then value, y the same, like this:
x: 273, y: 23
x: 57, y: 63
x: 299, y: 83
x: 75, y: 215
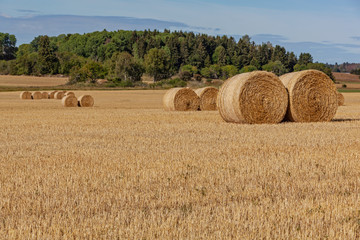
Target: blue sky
x: 328, y: 29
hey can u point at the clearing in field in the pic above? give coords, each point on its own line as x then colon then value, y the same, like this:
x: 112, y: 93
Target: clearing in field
x: 127, y: 169
x: 28, y: 81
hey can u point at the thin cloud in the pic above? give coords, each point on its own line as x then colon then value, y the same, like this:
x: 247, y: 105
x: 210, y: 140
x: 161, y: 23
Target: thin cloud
x: 27, y: 11
x: 357, y: 38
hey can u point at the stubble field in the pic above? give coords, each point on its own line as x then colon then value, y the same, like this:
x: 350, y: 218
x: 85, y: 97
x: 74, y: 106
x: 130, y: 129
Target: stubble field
x: 126, y: 169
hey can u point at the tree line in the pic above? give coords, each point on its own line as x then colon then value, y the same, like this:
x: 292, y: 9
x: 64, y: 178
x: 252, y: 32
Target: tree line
x: 124, y: 56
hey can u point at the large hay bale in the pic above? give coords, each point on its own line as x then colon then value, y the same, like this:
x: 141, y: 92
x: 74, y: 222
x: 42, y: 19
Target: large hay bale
x: 181, y: 99
x: 69, y: 101
x: 69, y: 93
x: 208, y: 96
x: 340, y: 99
x: 85, y: 101
x: 59, y: 95
x: 45, y: 95
x: 254, y: 97
x: 52, y: 94
x: 312, y: 96
x: 36, y: 95
x: 25, y: 95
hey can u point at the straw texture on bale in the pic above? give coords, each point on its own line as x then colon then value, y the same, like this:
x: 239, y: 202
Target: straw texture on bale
x: 51, y: 95
x: 69, y: 93
x: 312, y: 96
x: 45, y: 95
x: 69, y: 101
x: 59, y: 95
x: 208, y: 96
x: 25, y: 95
x: 254, y: 97
x: 181, y: 99
x: 340, y: 99
x: 36, y: 95
x: 85, y: 101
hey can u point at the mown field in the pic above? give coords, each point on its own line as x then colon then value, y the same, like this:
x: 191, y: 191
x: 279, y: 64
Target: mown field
x: 126, y: 169
x: 27, y: 81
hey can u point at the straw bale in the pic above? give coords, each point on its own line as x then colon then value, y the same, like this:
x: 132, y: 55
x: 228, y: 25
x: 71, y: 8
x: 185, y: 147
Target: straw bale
x: 312, y: 96
x: 69, y: 101
x: 45, y: 95
x: 69, y: 93
x: 254, y: 97
x: 208, y: 96
x: 181, y: 99
x: 51, y: 95
x: 25, y: 95
x: 36, y: 95
x: 85, y: 101
x: 59, y: 95
x: 340, y: 99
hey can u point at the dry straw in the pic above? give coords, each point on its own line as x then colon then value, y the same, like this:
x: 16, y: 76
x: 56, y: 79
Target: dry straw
x: 255, y: 97
x: 51, y: 95
x: 312, y: 96
x: 25, y: 95
x: 45, y: 95
x: 181, y: 99
x: 69, y: 101
x: 340, y: 99
x: 69, y: 93
x: 208, y: 96
x: 59, y: 95
x: 85, y: 101
x: 36, y: 95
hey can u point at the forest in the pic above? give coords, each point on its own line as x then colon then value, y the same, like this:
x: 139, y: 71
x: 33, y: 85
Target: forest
x: 125, y: 56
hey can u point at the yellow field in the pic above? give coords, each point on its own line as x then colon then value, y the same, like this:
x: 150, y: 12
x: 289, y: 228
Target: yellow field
x: 126, y: 169
x: 28, y: 81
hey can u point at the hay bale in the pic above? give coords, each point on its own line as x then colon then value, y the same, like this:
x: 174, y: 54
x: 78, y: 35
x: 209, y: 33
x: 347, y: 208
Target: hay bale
x: 254, y: 97
x: 85, y: 101
x: 340, y: 99
x: 208, y: 96
x: 69, y: 93
x: 59, y: 95
x: 181, y: 99
x: 36, y: 95
x: 312, y: 96
x: 45, y: 95
x: 69, y: 101
x: 25, y: 95
x: 51, y: 95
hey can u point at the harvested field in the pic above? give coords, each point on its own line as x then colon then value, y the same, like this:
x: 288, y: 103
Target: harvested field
x: 346, y: 77
x: 126, y: 168
x: 28, y: 81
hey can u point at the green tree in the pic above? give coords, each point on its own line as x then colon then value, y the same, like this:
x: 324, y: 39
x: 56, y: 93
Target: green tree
x: 157, y: 63
x: 219, y: 56
x: 125, y: 67
x: 248, y: 68
x: 276, y: 67
x: 48, y: 61
x: 229, y: 71
x: 305, y: 58
x: 7, y: 46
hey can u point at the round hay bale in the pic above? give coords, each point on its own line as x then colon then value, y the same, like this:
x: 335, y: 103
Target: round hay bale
x: 51, y: 95
x: 36, y: 95
x: 69, y: 93
x: 181, y: 99
x: 340, y: 99
x: 85, y: 101
x: 59, y: 95
x: 25, y: 95
x: 254, y: 97
x: 69, y: 101
x: 45, y: 95
x: 208, y: 96
x: 312, y: 96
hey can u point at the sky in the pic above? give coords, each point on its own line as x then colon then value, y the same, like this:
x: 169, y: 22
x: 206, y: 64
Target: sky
x: 327, y: 29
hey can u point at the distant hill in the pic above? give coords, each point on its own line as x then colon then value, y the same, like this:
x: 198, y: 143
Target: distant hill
x: 344, y: 67
x: 346, y: 77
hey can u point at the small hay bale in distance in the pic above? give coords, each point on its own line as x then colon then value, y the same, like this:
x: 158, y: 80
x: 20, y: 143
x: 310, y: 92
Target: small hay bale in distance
x: 255, y: 97
x: 312, y: 96
x: 340, y: 99
x: 59, y: 95
x: 69, y: 101
x: 25, y: 95
x: 45, y: 95
x: 208, y: 96
x: 51, y: 95
x: 36, y: 95
x: 85, y: 101
x: 69, y: 93
x: 181, y: 99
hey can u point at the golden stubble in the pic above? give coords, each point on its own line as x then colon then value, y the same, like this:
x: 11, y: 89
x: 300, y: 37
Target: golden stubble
x: 127, y: 169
